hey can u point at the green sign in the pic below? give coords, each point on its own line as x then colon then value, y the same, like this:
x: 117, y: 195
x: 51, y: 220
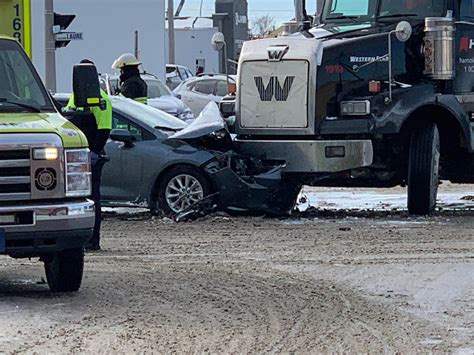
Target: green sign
x: 15, y: 21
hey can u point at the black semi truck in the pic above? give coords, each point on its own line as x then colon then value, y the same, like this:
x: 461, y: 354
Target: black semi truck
x: 398, y: 74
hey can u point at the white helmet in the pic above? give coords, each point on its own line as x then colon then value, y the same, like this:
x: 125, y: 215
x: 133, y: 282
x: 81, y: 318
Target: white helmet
x: 124, y: 60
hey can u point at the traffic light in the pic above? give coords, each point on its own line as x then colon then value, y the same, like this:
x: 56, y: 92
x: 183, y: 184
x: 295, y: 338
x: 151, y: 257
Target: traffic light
x: 62, y: 22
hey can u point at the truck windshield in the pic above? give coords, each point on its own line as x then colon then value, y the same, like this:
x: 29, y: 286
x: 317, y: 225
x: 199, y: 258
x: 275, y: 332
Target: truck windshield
x: 21, y: 88
x: 366, y: 10
x: 349, y: 9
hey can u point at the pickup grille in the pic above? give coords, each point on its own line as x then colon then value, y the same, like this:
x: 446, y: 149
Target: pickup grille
x: 15, y: 174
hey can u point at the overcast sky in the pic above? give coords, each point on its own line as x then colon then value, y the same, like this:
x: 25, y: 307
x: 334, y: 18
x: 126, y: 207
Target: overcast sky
x: 280, y: 10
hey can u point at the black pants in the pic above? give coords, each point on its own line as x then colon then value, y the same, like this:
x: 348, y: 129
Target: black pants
x: 96, y: 180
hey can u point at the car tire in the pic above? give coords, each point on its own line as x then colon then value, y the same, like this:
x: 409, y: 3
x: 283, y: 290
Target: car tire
x: 64, y: 270
x: 197, y: 187
x: 423, y: 170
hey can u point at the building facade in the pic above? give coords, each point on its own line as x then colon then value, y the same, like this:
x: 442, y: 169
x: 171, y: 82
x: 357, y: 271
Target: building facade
x: 108, y: 28
x: 193, y: 44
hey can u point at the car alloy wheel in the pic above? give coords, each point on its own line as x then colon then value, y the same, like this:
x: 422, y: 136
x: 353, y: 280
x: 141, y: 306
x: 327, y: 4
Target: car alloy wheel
x: 182, y: 192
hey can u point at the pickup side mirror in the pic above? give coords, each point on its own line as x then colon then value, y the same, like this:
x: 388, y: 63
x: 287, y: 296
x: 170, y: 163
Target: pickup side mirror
x: 123, y: 135
x: 86, y: 85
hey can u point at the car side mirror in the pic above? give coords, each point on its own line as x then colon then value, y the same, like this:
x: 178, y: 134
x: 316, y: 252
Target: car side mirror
x: 86, y: 86
x: 123, y: 135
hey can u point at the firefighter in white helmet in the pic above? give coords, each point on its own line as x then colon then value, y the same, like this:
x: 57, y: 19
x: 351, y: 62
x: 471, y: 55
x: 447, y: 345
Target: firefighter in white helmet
x: 131, y: 84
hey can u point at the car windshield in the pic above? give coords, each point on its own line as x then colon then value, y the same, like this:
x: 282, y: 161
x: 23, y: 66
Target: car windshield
x: 21, y: 88
x: 148, y: 115
x: 366, y: 10
x: 157, y: 89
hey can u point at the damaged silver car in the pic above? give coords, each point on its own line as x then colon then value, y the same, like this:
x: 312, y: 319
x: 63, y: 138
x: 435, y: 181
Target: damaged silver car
x: 162, y: 163
x: 239, y: 183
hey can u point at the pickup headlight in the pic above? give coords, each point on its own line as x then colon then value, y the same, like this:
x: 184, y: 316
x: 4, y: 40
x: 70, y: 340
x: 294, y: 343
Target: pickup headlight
x: 45, y: 153
x: 78, y: 172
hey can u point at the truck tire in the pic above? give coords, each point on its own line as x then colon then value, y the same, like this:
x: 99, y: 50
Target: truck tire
x: 423, y: 170
x: 64, y: 270
x: 180, y: 188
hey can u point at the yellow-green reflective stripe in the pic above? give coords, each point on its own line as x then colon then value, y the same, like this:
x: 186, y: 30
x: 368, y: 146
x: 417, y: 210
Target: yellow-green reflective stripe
x: 27, y: 27
x: 93, y: 100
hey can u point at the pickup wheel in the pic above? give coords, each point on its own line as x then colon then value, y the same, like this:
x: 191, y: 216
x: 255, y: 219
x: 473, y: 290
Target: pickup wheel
x: 423, y: 170
x: 64, y: 270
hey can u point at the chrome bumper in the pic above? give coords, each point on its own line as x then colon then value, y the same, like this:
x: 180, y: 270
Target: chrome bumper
x: 65, y: 216
x: 312, y: 156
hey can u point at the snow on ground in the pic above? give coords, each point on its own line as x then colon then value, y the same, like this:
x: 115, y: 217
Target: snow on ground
x: 450, y: 197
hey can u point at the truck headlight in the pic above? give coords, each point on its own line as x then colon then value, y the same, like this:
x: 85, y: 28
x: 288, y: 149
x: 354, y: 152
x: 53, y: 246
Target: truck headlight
x: 45, y: 153
x: 355, y: 108
x: 78, y: 172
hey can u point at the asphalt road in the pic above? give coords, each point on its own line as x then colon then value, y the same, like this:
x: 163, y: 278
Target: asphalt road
x: 317, y: 282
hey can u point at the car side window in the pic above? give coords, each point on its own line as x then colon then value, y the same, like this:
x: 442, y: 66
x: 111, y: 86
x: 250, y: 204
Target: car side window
x: 190, y: 86
x: 182, y: 73
x: 153, y: 90
x: 119, y: 122
x: 205, y: 87
x: 221, y: 89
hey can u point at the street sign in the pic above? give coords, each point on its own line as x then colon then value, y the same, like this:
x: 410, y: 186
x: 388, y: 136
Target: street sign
x: 68, y: 36
x: 15, y: 21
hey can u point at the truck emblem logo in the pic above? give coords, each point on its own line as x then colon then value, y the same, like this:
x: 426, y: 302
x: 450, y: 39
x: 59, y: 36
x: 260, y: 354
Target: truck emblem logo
x: 276, y: 53
x: 274, y: 89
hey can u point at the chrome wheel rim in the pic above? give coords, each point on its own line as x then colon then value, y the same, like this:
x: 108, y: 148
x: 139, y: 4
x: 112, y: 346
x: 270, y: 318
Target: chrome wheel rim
x: 182, y: 192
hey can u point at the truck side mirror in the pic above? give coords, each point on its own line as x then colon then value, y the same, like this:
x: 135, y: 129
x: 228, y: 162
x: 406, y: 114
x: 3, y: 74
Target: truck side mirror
x: 86, y: 85
x: 403, y: 31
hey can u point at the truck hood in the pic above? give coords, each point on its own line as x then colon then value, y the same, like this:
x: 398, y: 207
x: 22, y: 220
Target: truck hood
x: 325, y: 31
x: 71, y: 136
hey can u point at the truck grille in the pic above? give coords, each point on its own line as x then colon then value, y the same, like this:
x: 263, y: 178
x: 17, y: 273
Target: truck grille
x: 15, y: 175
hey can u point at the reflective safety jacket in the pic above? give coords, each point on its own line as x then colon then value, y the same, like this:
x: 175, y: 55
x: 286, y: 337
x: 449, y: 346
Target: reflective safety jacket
x: 94, y: 122
x: 135, y: 88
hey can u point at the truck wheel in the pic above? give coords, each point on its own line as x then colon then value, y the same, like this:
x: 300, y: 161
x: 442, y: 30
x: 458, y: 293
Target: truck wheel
x: 423, y: 170
x: 180, y: 188
x: 64, y: 270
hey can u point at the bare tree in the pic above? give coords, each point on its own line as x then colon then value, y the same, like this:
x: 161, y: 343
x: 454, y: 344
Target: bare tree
x: 263, y: 25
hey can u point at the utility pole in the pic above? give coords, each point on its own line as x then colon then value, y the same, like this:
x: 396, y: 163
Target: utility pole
x: 49, y: 46
x: 171, y: 46
x: 137, y: 48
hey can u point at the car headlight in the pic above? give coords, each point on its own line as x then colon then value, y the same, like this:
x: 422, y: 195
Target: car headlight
x: 78, y: 172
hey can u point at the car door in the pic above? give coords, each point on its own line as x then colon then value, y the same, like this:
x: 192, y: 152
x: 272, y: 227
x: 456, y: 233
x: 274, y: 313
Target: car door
x: 200, y: 94
x: 122, y: 176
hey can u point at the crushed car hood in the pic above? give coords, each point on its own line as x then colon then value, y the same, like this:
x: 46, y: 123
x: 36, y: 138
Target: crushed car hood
x: 169, y: 104
x: 208, y: 121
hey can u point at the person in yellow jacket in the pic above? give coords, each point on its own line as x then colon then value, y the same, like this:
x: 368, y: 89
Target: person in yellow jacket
x: 132, y: 85
x: 96, y: 124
